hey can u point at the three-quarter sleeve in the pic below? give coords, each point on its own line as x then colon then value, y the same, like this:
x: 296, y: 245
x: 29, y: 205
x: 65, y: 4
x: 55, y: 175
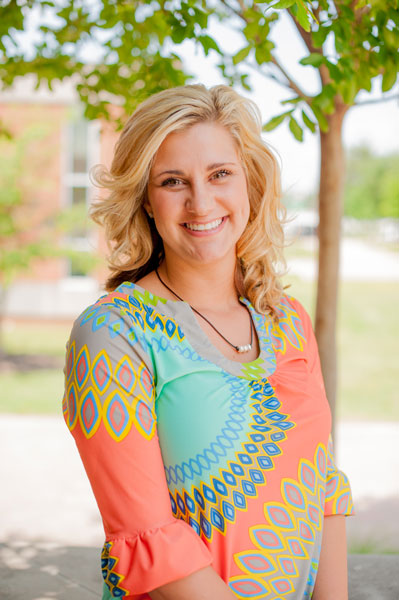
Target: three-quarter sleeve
x: 338, y: 495
x: 109, y: 407
x: 338, y: 498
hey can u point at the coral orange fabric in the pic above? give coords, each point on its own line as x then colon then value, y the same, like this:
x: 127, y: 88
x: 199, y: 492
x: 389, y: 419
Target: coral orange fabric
x: 195, y: 459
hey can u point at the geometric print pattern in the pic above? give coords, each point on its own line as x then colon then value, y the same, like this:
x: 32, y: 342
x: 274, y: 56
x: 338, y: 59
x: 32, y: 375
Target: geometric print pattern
x: 338, y: 492
x: 213, y: 504
x: 88, y: 378
x: 88, y: 398
x: 141, y: 315
x: 288, y: 330
x: 256, y: 369
x: 110, y: 576
x: 284, y: 543
x: 210, y: 485
x: 274, y: 337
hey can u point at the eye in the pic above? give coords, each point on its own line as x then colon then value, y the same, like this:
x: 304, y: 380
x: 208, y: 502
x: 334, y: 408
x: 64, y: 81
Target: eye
x: 221, y: 174
x: 171, y: 182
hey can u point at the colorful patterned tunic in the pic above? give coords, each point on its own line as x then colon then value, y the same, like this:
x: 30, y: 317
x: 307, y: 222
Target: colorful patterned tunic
x: 195, y: 459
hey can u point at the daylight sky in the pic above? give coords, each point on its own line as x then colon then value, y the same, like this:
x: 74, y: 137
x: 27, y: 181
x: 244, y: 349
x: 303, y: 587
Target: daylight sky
x: 375, y: 125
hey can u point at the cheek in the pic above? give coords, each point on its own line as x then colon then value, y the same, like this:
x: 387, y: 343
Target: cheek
x: 245, y: 206
x: 159, y: 203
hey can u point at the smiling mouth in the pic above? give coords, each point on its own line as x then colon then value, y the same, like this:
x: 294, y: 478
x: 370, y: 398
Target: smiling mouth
x: 204, y: 226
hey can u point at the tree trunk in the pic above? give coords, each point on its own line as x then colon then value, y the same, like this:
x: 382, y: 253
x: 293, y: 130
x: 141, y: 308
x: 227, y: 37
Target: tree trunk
x: 332, y: 177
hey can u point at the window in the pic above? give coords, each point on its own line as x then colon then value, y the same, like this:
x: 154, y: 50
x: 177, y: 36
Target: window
x: 81, y: 153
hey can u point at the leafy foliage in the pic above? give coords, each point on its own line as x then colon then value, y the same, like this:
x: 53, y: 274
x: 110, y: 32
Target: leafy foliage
x: 24, y: 235
x: 372, y: 185
x: 140, y: 48
x: 18, y: 247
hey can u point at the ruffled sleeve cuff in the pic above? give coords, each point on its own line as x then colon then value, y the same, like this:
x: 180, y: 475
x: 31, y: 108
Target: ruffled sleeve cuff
x: 140, y: 564
x: 338, y: 500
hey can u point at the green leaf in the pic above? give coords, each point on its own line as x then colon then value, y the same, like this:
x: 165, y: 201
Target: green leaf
x: 245, y: 83
x: 315, y: 60
x: 296, y: 129
x: 263, y: 53
x: 284, y: 4
x: 321, y: 118
x: 275, y: 121
x: 326, y: 99
x: 308, y: 122
x: 302, y: 15
x: 201, y: 17
x: 349, y: 90
x: 364, y: 77
x: 208, y: 43
x: 389, y: 78
x: 319, y: 36
x: 292, y: 100
x: 334, y: 71
x: 241, y: 54
x: 178, y: 34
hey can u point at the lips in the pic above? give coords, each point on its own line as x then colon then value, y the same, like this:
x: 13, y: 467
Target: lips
x: 204, y: 226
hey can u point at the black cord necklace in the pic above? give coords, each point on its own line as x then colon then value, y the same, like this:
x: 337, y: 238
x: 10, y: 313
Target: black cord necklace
x: 241, y: 349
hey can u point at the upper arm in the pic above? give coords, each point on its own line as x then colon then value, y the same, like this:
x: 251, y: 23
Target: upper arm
x: 109, y: 408
x: 338, y: 498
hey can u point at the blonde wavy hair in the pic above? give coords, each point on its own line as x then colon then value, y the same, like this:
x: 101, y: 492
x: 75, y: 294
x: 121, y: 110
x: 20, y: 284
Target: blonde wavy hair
x: 135, y: 245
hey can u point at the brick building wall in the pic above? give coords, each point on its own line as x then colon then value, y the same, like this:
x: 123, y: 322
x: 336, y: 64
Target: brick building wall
x: 54, y: 176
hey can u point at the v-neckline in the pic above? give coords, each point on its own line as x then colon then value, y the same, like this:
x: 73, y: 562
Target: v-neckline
x: 184, y: 315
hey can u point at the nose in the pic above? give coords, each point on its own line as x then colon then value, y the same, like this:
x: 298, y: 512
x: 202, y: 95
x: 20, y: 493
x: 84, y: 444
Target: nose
x: 199, y: 200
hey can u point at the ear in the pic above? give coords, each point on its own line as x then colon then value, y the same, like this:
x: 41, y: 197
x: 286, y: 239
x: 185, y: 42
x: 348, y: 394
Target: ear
x: 147, y: 208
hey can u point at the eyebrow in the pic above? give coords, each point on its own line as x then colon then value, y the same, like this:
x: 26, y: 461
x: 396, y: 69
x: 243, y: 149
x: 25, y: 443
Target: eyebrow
x: 209, y: 168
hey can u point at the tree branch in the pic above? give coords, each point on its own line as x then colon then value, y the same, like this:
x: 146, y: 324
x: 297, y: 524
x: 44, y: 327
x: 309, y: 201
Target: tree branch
x: 305, y: 35
x: 257, y: 69
x: 377, y: 100
x: 290, y: 82
x: 233, y: 10
x: 307, y: 38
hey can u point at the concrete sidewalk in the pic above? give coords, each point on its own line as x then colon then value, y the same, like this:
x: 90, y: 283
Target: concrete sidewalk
x: 51, y: 532
x: 43, y: 571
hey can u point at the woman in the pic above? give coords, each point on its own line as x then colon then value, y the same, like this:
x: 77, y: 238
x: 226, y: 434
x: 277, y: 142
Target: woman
x: 193, y: 388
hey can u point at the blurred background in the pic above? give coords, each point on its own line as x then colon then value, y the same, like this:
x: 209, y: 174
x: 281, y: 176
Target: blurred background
x: 53, y: 265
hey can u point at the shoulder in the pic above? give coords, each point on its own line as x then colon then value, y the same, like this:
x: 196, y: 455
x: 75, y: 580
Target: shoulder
x: 114, y: 318
x: 289, y: 305
x: 294, y: 323
x: 107, y: 338
x: 129, y: 314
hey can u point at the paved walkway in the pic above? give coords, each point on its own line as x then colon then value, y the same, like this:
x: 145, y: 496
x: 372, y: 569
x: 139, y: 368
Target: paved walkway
x: 51, y: 533
x: 44, y: 571
x: 359, y: 262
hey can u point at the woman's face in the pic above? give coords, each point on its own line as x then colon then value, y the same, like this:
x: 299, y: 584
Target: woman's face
x: 197, y: 193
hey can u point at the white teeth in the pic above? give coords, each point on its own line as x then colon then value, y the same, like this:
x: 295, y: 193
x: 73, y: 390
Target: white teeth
x: 203, y: 227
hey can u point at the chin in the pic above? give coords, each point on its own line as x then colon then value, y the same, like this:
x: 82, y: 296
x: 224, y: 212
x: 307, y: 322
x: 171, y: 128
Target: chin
x: 208, y: 258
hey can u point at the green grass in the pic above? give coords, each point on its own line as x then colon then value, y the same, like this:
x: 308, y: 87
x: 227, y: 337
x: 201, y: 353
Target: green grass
x: 35, y: 391
x: 35, y: 338
x: 300, y: 249
x: 38, y: 392
x: 367, y: 339
x: 370, y: 546
x: 368, y: 334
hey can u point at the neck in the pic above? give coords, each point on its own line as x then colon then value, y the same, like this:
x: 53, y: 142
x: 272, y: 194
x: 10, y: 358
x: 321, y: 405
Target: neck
x: 206, y: 287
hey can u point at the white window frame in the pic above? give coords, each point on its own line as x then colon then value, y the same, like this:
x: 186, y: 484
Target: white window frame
x: 71, y: 179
